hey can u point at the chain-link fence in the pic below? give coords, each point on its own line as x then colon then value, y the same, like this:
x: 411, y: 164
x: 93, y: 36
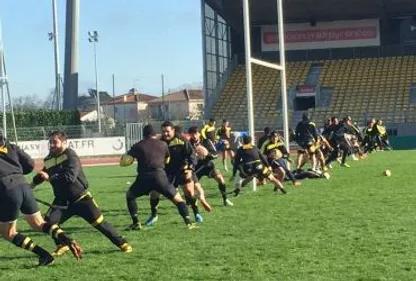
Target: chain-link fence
x: 73, y: 132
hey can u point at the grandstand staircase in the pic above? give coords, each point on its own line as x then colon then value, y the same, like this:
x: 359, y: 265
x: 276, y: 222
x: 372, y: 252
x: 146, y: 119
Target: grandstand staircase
x: 313, y: 76
x: 412, y: 96
x: 312, y: 79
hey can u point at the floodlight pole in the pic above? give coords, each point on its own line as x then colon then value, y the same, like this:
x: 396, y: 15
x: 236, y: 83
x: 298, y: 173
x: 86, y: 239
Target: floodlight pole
x: 56, y: 49
x: 93, y: 38
x: 3, y: 81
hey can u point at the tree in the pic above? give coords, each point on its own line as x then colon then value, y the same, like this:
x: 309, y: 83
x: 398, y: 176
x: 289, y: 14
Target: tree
x: 104, y: 96
x: 50, y: 101
x: 27, y: 103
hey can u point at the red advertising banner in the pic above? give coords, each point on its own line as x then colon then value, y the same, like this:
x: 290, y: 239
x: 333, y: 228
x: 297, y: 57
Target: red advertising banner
x: 334, y: 34
x: 305, y: 91
x: 325, y: 35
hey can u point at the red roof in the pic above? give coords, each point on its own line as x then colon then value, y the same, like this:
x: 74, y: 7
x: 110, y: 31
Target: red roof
x: 130, y: 98
x: 179, y: 96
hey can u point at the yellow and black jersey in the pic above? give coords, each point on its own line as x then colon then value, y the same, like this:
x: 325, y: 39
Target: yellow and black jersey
x: 13, y: 160
x: 368, y: 131
x: 306, y: 132
x: 248, y: 155
x: 208, y: 132
x: 380, y: 130
x: 274, y: 150
x: 66, y: 176
x: 224, y: 132
x: 182, y: 155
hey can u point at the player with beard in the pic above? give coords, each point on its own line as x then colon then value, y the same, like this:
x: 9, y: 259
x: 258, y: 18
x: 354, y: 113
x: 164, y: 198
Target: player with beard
x: 63, y: 170
x: 152, y: 155
x: 205, y: 166
x: 17, y: 196
x: 180, y: 171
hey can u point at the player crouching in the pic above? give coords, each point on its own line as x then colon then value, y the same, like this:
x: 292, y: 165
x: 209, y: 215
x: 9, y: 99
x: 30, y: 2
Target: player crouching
x: 252, y: 164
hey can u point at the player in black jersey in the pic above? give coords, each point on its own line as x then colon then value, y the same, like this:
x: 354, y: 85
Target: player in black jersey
x: 152, y: 156
x: 63, y: 170
x: 252, y: 164
x: 206, y: 153
x: 17, y: 196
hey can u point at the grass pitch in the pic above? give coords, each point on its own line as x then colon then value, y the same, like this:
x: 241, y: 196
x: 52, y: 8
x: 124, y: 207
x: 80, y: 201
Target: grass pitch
x: 359, y: 225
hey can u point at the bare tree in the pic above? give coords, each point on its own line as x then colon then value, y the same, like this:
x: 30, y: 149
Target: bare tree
x: 30, y: 102
x: 50, y: 101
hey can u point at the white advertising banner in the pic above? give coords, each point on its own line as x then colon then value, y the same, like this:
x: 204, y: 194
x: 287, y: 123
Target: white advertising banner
x: 324, y: 35
x: 83, y: 147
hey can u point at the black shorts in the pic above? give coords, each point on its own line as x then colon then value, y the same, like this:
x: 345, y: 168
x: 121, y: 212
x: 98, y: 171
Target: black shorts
x: 274, y: 163
x: 205, y: 169
x: 178, y: 179
x: 154, y: 181
x: 258, y: 171
x: 14, y: 197
x: 223, y: 145
x: 85, y: 208
x: 306, y: 144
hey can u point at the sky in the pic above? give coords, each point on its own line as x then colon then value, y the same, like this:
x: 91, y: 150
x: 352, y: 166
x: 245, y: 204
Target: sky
x: 139, y: 40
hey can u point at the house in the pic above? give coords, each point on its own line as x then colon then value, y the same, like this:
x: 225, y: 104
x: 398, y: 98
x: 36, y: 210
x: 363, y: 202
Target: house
x: 131, y: 107
x: 180, y: 105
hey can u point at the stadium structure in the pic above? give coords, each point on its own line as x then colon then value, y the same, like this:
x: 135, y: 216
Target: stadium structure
x: 343, y: 57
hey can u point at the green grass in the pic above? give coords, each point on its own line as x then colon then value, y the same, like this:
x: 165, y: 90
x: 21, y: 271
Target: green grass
x: 358, y: 225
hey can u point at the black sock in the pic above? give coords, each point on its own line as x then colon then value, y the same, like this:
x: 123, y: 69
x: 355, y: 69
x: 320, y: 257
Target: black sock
x: 344, y: 157
x: 132, y: 207
x: 154, y: 204
x: 108, y: 230
x: 26, y: 243
x: 183, y: 211
x: 59, y: 236
x: 192, y: 202
x: 223, y: 190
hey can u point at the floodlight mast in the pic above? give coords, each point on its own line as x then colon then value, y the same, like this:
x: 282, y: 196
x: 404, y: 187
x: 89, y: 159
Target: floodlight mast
x: 54, y: 36
x: 3, y: 81
x: 4, y: 87
x: 93, y: 38
x: 281, y: 67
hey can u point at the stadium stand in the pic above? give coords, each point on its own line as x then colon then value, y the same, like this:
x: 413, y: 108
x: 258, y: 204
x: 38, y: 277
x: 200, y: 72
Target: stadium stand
x: 368, y: 86
x: 232, y: 103
x: 363, y: 88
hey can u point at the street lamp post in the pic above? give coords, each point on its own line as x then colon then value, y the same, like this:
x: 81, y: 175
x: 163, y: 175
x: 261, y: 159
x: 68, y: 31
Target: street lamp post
x: 93, y: 38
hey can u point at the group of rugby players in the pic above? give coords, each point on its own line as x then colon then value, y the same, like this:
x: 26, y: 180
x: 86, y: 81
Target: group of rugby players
x: 165, y: 163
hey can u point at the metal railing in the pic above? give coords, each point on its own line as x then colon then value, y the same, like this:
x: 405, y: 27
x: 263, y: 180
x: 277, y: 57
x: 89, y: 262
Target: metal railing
x: 73, y: 132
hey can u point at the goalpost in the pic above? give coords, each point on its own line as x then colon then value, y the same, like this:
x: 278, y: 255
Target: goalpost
x: 281, y: 67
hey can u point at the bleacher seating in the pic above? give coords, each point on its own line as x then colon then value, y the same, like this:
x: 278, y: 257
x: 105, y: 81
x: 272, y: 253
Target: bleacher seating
x: 362, y: 87
x: 232, y: 103
x: 369, y: 87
